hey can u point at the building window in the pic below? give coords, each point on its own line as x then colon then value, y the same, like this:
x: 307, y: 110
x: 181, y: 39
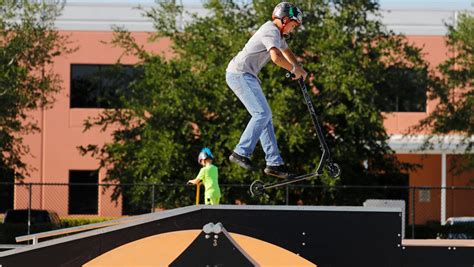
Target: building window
x: 402, y: 90
x: 424, y: 195
x: 83, y: 192
x: 6, y: 190
x: 100, y: 86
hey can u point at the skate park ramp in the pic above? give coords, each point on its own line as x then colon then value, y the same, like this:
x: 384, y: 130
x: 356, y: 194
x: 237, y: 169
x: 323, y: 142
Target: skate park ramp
x: 325, y: 236
x: 318, y: 234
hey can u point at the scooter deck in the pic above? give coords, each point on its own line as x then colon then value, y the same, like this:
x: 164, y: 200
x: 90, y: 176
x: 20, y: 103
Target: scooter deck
x: 291, y: 180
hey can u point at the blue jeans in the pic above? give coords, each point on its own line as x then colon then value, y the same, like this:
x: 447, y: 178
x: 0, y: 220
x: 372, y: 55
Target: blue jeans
x: 248, y: 90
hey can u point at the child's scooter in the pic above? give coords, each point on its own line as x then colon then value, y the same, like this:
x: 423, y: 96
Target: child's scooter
x: 257, y: 187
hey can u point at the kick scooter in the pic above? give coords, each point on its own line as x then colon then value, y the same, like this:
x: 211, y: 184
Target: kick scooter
x: 258, y: 187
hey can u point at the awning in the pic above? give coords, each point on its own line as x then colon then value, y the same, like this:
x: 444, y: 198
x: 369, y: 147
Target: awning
x: 437, y: 144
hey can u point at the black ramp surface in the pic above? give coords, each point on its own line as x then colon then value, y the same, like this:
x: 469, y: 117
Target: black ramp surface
x: 324, y: 237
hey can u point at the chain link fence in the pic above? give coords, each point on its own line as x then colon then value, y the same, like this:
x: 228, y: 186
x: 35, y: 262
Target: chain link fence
x: 426, y: 208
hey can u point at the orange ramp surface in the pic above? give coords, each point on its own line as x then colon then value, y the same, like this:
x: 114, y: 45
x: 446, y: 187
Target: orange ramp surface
x: 162, y: 249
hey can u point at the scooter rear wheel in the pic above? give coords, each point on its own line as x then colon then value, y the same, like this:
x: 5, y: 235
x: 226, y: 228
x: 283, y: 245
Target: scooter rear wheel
x: 256, y: 188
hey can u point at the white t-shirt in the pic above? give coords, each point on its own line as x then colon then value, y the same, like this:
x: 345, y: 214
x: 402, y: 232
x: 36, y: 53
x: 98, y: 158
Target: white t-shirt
x: 256, y: 52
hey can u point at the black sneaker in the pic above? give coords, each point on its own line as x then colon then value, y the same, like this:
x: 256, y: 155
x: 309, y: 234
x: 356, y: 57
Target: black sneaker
x: 242, y: 161
x: 278, y: 171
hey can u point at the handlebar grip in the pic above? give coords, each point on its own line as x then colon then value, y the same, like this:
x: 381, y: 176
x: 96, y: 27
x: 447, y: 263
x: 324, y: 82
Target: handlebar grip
x: 290, y: 75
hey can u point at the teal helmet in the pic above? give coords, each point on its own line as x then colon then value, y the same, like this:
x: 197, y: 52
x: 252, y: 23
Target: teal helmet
x: 205, y: 154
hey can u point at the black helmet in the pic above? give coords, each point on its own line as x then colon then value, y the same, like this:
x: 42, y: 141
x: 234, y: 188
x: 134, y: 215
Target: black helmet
x: 285, y: 9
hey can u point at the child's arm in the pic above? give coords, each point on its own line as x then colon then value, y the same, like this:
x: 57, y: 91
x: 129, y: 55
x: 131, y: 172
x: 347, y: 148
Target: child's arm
x: 199, y: 177
x: 290, y: 56
x: 194, y: 181
x: 292, y: 59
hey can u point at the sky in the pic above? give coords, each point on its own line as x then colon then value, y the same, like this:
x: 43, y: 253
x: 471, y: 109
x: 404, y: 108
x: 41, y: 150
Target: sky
x: 438, y: 4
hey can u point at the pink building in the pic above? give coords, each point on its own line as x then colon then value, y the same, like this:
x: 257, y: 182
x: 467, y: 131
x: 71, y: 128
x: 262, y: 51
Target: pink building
x: 54, y: 152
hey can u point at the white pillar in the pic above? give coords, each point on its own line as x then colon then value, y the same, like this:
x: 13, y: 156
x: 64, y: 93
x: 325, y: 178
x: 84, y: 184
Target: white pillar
x: 443, y: 188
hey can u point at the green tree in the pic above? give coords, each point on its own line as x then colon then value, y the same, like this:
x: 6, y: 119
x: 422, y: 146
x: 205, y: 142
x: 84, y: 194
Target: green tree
x: 454, y: 90
x: 28, y: 45
x: 178, y: 105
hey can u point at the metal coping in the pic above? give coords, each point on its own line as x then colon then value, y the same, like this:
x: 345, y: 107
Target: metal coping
x: 80, y: 228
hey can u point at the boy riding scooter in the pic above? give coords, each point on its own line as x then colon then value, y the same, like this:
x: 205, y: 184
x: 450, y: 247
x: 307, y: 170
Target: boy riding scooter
x: 241, y: 76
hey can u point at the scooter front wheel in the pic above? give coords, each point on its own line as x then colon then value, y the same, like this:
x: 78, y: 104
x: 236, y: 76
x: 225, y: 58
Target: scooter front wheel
x: 334, y: 170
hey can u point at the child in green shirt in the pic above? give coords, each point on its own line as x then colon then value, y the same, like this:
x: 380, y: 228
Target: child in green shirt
x: 208, y: 175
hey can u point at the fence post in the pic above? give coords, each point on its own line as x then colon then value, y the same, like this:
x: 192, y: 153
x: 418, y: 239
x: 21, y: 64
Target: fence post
x: 29, y: 207
x: 152, y: 198
x: 287, y: 195
x: 443, y: 189
x: 413, y: 197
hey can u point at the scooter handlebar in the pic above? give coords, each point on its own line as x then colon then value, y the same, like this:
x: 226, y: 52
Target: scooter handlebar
x: 289, y: 75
